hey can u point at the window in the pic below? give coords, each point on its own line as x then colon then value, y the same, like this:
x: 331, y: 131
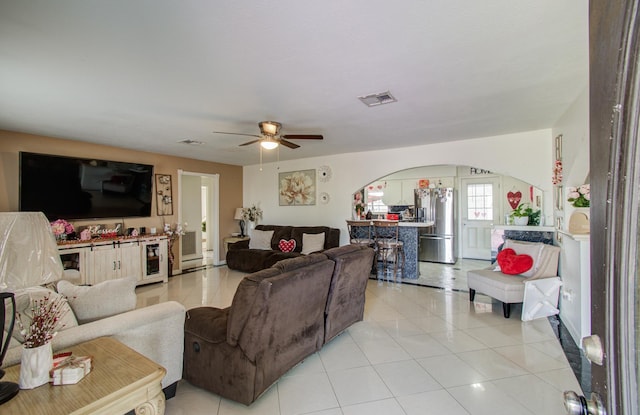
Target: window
x: 480, y: 201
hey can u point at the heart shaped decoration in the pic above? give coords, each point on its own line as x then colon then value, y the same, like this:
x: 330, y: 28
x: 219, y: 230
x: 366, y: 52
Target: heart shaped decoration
x: 287, y: 246
x: 514, y: 199
x: 513, y: 264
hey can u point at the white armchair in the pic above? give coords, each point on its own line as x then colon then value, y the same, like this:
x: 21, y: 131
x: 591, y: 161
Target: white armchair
x: 510, y: 289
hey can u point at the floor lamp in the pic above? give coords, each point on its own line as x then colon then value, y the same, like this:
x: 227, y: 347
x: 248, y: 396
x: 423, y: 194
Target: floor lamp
x: 28, y: 257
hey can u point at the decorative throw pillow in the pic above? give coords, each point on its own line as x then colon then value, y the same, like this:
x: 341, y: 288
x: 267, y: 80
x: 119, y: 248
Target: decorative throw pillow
x: 25, y: 300
x: 512, y: 263
x: 312, y: 242
x: 105, y: 299
x: 260, y: 239
x: 533, y: 249
x: 287, y: 246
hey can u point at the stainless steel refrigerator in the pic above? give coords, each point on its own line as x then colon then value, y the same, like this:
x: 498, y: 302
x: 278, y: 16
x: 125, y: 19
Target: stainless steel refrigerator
x: 438, y: 242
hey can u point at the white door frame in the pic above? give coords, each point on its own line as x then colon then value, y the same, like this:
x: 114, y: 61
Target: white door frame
x: 496, y: 181
x: 213, y: 216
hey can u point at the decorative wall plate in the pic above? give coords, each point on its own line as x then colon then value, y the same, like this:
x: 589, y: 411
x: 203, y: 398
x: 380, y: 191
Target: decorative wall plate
x: 324, y: 198
x: 324, y: 173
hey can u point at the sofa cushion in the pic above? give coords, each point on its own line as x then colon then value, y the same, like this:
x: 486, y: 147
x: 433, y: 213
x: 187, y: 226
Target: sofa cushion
x: 512, y: 263
x: 260, y: 239
x: 287, y: 245
x: 533, y: 249
x: 25, y: 300
x: 298, y: 232
x: 279, y: 232
x: 102, y: 300
x: 312, y: 243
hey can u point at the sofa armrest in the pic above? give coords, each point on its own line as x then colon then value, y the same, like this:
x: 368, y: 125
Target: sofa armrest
x: 239, y: 245
x: 156, y: 331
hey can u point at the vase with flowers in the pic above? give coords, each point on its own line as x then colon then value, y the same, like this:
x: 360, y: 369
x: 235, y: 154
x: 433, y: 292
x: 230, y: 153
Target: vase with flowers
x: 173, y: 234
x: 61, y: 229
x: 37, y: 359
x: 580, y: 197
x: 252, y: 215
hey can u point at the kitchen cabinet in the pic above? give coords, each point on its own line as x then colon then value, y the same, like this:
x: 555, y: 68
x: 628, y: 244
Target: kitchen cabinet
x: 399, y: 192
x: 408, y: 188
x: 91, y: 262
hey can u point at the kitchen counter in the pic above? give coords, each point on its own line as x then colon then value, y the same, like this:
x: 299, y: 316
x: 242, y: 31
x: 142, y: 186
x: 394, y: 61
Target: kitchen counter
x: 408, y: 234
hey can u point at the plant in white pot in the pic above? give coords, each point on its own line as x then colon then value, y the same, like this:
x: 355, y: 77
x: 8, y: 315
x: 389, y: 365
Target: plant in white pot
x: 524, y: 215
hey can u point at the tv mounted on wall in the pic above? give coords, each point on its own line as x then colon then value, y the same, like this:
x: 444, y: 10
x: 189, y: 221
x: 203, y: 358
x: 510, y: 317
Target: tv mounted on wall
x: 83, y: 188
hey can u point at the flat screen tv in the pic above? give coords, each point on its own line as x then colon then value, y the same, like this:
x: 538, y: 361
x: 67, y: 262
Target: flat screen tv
x: 83, y: 188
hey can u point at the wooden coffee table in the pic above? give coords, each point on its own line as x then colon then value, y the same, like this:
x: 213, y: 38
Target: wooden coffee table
x: 120, y: 380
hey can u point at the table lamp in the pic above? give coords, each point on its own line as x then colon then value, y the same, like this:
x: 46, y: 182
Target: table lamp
x: 28, y: 257
x: 239, y: 216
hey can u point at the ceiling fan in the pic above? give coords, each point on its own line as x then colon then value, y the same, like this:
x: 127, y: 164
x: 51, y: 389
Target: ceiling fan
x: 270, y: 137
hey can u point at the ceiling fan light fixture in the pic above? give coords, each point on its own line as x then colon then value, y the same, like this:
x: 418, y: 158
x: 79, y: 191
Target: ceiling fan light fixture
x: 268, y: 143
x: 269, y: 127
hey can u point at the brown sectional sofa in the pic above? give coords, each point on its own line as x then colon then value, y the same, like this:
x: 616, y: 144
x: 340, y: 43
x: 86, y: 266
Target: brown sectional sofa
x: 241, y: 258
x: 278, y: 317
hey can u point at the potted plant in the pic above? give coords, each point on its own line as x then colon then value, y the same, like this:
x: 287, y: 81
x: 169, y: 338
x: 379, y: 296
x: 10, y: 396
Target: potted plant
x: 524, y: 215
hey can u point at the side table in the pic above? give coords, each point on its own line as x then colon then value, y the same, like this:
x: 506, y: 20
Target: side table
x: 228, y: 240
x: 120, y: 380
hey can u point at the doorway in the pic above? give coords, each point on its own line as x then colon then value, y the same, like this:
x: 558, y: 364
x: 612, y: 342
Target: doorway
x: 480, y: 210
x: 198, y: 197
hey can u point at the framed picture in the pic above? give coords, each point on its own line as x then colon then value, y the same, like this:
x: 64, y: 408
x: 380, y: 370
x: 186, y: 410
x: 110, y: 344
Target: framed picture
x: 297, y: 188
x: 559, y: 147
x: 164, y: 201
x: 559, y: 198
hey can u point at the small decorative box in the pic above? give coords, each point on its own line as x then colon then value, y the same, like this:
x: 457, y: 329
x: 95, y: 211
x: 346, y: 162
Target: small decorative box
x: 71, y: 370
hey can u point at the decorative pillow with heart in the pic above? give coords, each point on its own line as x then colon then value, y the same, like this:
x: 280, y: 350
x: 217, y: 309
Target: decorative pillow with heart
x: 513, y: 264
x: 287, y: 246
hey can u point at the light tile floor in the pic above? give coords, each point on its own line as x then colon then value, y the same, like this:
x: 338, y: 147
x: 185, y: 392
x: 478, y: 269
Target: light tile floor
x: 418, y: 351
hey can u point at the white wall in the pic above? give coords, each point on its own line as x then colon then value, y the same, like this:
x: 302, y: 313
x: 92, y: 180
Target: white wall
x: 526, y: 156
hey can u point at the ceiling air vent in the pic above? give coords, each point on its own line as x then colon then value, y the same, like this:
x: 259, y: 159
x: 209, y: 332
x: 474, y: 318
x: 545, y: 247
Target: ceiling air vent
x: 191, y: 142
x: 380, y: 98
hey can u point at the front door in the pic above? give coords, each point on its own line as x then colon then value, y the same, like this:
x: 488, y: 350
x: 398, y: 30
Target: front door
x: 480, y: 210
x: 615, y: 181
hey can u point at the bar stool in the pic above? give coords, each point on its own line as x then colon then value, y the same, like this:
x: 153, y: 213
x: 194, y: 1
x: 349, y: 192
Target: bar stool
x: 360, y: 233
x: 388, y: 246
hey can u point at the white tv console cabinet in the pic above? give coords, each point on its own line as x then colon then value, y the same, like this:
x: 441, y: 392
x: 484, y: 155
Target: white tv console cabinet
x: 91, y: 262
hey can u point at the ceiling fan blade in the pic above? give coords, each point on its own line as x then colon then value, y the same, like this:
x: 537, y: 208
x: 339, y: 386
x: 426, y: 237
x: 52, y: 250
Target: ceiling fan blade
x: 250, y: 142
x: 225, y: 132
x: 302, y: 137
x: 288, y: 143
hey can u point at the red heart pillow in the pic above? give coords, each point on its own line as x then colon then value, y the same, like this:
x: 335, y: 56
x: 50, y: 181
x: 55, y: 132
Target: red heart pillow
x: 287, y: 246
x: 513, y: 264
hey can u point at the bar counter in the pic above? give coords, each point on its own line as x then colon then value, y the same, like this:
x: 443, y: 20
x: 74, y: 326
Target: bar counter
x: 408, y: 234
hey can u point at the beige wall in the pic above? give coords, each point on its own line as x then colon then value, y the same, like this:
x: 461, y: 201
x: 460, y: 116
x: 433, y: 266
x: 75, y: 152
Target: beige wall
x: 11, y: 143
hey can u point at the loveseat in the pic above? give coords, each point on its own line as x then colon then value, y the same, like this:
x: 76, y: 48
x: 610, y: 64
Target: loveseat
x: 108, y: 309
x: 257, y: 254
x: 278, y: 317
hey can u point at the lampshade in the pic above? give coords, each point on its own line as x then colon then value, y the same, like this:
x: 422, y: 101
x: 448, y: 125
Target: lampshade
x: 238, y: 215
x: 268, y: 143
x: 28, y: 251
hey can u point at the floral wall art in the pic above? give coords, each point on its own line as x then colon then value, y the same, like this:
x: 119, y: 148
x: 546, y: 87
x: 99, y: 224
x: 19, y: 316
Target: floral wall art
x: 164, y: 201
x: 297, y: 188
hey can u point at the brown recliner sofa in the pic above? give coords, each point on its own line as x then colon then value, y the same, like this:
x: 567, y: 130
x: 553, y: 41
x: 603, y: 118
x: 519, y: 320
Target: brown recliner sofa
x: 241, y: 258
x: 278, y: 317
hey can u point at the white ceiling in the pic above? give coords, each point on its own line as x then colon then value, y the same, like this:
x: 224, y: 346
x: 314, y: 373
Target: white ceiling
x: 145, y: 74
